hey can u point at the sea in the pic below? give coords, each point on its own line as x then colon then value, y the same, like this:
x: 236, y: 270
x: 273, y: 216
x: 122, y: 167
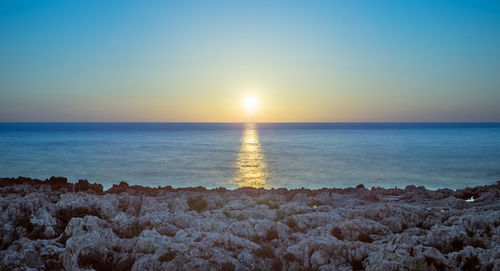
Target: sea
x: 269, y: 155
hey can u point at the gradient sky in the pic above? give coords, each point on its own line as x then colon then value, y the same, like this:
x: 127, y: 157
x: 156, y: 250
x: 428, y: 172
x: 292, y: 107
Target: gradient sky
x: 197, y: 60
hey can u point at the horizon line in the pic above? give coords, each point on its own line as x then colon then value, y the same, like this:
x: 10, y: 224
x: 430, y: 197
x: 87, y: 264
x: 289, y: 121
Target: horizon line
x: 242, y: 122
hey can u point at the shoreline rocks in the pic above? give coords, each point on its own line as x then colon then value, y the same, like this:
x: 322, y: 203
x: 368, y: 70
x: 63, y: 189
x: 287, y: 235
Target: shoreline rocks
x: 56, y: 225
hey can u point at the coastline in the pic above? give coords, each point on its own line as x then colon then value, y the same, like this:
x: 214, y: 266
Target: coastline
x: 54, y: 224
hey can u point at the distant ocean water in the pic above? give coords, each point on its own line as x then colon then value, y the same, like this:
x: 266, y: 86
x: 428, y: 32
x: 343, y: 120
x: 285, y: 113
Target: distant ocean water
x: 291, y: 155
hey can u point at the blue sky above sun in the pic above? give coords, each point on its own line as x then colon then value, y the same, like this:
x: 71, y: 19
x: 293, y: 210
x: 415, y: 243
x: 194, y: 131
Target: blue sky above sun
x: 202, y: 60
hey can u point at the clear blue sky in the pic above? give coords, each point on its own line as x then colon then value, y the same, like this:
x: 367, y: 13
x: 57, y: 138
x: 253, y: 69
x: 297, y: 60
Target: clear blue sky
x: 196, y: 60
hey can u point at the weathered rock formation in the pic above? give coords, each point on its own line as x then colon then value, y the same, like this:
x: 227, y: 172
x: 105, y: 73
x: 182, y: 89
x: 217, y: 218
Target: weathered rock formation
x: 53, y: 225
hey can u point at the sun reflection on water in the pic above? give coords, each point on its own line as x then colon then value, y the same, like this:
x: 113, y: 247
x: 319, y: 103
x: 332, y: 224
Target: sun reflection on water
x: 251, y: 169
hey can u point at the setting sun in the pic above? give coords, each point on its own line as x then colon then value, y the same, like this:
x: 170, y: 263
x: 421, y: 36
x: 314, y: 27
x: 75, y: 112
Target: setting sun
x: 250, y: 103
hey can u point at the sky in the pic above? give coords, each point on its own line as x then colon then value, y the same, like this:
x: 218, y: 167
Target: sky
x: 320, y: 61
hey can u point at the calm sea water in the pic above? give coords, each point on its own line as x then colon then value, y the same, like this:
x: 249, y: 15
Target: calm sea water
x: 311, y: 155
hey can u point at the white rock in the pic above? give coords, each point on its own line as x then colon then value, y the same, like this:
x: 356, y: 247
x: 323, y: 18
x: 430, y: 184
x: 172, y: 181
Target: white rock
x: 318, y: 258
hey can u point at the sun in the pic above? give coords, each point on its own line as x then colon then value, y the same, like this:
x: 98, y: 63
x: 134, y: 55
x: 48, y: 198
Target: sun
x: 250, y: 102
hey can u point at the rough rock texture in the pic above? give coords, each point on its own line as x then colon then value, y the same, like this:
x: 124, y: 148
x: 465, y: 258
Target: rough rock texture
x: 54, y: 225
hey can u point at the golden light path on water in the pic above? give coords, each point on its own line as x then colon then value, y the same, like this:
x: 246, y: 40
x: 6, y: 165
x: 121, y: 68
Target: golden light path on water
x: 251, y: 168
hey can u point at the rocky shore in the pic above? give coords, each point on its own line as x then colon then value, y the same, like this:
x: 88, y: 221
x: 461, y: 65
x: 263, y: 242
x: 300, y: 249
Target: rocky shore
x: 54, y: 225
